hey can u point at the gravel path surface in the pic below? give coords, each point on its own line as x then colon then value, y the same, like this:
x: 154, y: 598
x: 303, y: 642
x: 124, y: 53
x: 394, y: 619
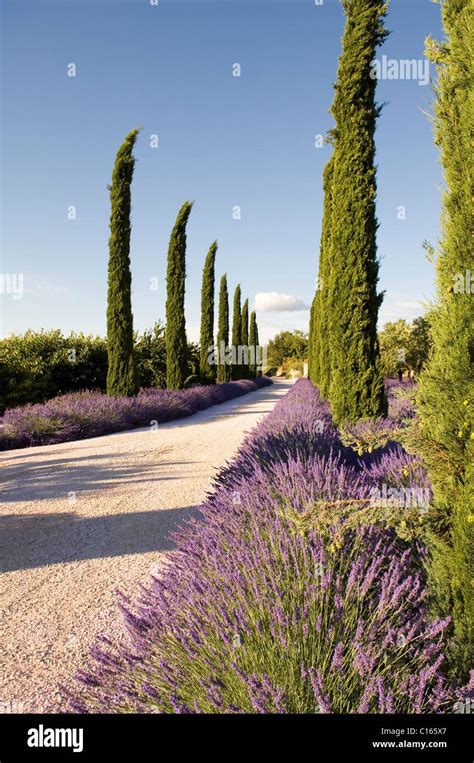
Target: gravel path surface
x: 83, y: 518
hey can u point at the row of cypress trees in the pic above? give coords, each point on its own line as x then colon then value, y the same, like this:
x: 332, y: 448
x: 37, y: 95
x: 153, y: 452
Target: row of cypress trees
x: 121, y: 376
x: 344, y: 358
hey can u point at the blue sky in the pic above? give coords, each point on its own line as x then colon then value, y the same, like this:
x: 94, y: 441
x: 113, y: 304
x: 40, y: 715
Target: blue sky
x: 223, y: 141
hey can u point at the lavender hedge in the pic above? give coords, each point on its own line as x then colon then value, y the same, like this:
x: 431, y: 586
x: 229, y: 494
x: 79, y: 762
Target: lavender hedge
x: 88, y: 414
x: 265, y: 607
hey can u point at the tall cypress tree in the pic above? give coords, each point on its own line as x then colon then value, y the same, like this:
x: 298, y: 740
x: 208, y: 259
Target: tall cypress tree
x: 223, y: 370
x: 311, y: 341
x: 356, y: 384
x: 121, y: 377
x: 445, y: 396
x: 253, y: 343
x: 320, y: 345
x: 237, y: 332
x: 245, y: 335
x: 176, y: 343
x: 208, y: 372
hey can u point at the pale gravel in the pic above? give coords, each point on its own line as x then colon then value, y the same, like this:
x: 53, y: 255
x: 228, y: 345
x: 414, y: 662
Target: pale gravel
x: 83, y: 518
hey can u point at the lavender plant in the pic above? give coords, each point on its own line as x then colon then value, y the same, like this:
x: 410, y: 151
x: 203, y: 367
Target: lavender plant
x: 88, y: 414
x: 252, y: 615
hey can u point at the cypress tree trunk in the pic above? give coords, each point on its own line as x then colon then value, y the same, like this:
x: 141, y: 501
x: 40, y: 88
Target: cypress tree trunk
x: 121, y: 378
x: 176, y: 344
x: 445, y: 396
x: 236, y: 333
x: 208, y: 372
x: 245, y: 338
x: 223, y: 370
x: 253, y: 343
x: 356, y: 384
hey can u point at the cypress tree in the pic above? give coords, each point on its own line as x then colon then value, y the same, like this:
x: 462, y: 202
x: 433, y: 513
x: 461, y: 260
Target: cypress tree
x: 245, y: 337
x: 176, y: 343
x: 445, y: 396
x: 121, y: 377
x: 236, y: 332
x: 208, y: 372
x: 320, y: 346
x: 253, y: 343
x: 356, y: 383
x: 311, y: 340
x: 223, y: 370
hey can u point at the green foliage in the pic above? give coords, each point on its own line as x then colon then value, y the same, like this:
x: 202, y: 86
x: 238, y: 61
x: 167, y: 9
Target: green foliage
x: 237, y: 332
x: 405, y: 346
x: 121, y: 377
x: 245, y: 336
x: 40, y: 365
x: 291, y: 367
x: 312, y: 370
x: 150, y: 357
x: 356, y: 380
x: 287, y: 344
x: 253, y: 342
x: 320, y: 359
x: 445, y: 398
x: 207, y: 371
x: 223, y: 370
x: 176, y: 344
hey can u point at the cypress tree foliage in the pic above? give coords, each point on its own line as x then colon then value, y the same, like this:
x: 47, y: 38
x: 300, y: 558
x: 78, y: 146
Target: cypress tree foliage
x: 245, y: 336
x: 223, y: 370
x: 237, y: 332
x: 176, y: 343
x: 257, y: 342
x: 445, y: 395
x: 356, y: 383
x: 253, y: 342
x: 321, y: 350
x: 121, y: 378
x: 208, y: 372
x: 311, y: 340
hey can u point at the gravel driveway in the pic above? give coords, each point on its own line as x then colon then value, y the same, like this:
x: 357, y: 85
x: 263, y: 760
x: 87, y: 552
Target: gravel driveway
x: 83, y: 518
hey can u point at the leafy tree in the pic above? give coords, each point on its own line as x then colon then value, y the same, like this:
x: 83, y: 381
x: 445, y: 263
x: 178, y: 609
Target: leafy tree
x: 150, y: 357
x: 176, y: 343
x: 121, y: 378
x: 421, y: 343
x: 287, y: 344
x: 223, y: 370
x: 208, y: 371
x: 405, y: 346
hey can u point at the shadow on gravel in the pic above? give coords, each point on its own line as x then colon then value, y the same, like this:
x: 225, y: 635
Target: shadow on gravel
x: 28, y: 541
x: 45, y: 479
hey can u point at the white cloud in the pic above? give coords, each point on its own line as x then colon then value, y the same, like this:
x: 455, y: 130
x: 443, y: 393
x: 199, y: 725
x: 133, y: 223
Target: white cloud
x: 395, y: 309
x: 272, y: 301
